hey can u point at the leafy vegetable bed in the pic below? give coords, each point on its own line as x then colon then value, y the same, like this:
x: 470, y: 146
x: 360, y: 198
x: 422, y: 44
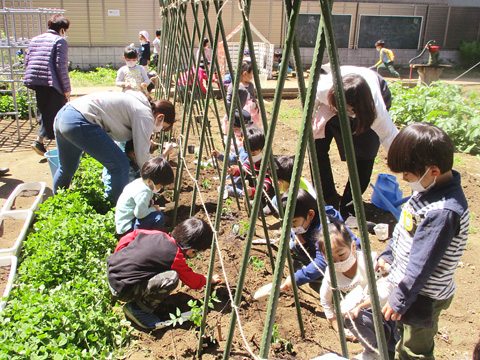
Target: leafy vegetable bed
x: 60, y: 307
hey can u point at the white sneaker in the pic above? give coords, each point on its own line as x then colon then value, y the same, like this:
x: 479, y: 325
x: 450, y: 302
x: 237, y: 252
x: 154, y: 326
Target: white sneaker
x: 367, y: 355
x: 225, y: 193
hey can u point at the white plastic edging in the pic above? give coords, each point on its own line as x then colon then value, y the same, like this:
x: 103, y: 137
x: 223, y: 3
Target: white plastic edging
x: 25, y: 215
x: 34, y: 186
x: 5, y: 261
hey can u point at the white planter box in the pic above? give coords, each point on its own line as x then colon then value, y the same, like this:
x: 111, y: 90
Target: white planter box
x: 12, y: 262
x: 26, y: 217
x: 26, y: 188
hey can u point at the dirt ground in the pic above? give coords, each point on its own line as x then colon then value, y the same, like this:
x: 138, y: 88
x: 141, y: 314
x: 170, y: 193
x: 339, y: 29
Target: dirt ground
x: 459, y: 325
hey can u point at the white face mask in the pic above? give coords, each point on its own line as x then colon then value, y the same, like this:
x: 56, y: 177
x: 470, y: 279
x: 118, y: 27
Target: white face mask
x: 418, y: 187
x: 257, y: 157
x: 160, y: 127
x: 347, y: 264
x: 131, y: 63
x: 155, y: 190
x: 300, y: 229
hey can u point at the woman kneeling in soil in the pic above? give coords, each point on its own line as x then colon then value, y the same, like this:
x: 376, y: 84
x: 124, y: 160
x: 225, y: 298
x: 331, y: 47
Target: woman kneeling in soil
x: 368, y: 100
x: 93, y: 122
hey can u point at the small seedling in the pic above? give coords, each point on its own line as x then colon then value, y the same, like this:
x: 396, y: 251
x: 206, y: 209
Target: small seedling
x: 196, y: 307
x: 243, y: 227
x: 227, y: 209
x: 206, y: 184
x: 286, y: 344
x: 177, y: 318
x: 256, y: 263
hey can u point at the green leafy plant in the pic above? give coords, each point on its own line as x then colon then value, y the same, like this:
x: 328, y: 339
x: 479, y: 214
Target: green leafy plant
x: 100, y: 76
x: 196, y: 307
x: 88, y: 182
x: 60, y: 307
x: 256, y: 263
x: 243, y: 227
x: 6, y: 105
x: 227, y: 209
x: 177, y: 318
x: 206, y: 184
x: 275, y: 339
x: 444, y: 105
x: 470, y: 52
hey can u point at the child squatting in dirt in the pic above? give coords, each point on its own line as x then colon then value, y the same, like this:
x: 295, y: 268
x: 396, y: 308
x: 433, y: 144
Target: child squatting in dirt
x: 148, y: 264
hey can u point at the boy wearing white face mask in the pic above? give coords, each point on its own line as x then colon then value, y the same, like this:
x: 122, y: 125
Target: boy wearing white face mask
x: 135, y: 208
x: 306, y: 227
x: 132, y: 76
x: 256, y: 142
x: 428, y: 240
x: 351, y: 274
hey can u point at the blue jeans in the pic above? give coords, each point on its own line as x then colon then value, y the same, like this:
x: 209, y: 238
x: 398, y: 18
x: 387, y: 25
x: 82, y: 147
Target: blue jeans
x: 153, y: 221
x: 75, y: 135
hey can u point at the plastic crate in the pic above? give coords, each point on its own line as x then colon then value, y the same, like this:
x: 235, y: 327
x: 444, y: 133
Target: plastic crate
x: 27, y: 187
x: 26, y: 217
x: 12, y: 262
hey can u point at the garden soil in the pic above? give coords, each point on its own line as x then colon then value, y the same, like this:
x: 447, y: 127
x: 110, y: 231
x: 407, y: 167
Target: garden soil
x: 458, y: 328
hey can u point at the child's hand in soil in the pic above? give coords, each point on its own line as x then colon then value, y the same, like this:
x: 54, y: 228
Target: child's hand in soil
x: 287, y: 285
x: 216, y: 279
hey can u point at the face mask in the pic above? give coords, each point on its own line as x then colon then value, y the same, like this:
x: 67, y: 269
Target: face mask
x: 64, y: 34
x: 417, y: 186
x: 347, y: 264
x: 160, y: 127
x: 300, y: 229
x: 131, y: 63
x: 257, y: 157
x: 155, y: 190
x: 378, y: 50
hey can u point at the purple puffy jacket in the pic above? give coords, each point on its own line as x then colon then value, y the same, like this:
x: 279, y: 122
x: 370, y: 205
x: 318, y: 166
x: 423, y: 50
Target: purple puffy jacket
x: 46, y: 62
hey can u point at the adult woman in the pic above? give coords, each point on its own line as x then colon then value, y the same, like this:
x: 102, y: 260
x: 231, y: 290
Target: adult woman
x: 93, y: 122
x: 46, y: 63
x: 368, y: 100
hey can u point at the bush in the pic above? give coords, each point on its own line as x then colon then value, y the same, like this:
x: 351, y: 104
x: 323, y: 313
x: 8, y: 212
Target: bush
x: 6, y: 105
x: 60, y: 306
x: 470, y: 53
x: 444, y: 105
x: 100, y: 76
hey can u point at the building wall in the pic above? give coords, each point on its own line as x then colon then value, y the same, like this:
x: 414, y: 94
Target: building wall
x: 95, y: 38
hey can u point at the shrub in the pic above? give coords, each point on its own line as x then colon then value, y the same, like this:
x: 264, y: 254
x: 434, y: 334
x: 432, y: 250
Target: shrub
x: 60, y: 306
x: 6, y: 105
x: 444, y: 105
x: 470, y: 52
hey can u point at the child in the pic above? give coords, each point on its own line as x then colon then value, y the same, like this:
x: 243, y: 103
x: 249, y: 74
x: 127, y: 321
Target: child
x: 256, y: 142
x: 428, y: 240
x: 237, y: 131
x: 207, y: 51
x: 246, y: 94
x: 306, y: 226
x: 144, y: 50
x: 351, y: 274
x: 131, y: 75
x: 148, y: 264
x: 284, y: 168
x: 134, y: 206
x: 386, y: 59
x: 156, y: 46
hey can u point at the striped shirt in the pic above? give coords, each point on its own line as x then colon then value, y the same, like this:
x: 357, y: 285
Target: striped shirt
x: 427, y: 244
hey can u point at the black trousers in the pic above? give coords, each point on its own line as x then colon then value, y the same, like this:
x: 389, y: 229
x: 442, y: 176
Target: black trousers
x: 49, y: 102
x: 366, y: 148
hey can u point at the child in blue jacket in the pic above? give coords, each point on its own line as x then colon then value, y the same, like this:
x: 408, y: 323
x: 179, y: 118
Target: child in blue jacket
x: 306, y: 227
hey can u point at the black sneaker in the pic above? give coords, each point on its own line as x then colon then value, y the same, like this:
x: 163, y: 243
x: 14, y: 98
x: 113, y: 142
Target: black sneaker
x: 39, y: 148
x: 145, y: 320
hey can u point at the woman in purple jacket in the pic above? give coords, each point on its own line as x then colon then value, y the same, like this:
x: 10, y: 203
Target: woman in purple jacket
x: 46, y: 64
